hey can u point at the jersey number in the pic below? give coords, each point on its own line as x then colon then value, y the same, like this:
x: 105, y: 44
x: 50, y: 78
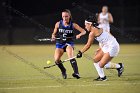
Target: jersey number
x: 64, y: 35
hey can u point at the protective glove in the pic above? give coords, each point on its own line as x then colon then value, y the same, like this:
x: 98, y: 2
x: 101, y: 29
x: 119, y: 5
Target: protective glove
x: 79, y: 55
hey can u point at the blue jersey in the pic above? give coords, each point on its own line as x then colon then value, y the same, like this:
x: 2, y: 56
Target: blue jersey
x: 65, y: 33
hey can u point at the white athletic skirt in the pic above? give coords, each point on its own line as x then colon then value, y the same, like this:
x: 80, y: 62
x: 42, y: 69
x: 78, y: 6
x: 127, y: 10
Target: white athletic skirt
x: 112, y: 48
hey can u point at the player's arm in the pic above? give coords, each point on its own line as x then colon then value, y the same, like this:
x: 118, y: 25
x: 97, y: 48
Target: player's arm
x: 89, y: 42
x: 110, y: 17
x: 55, y: 30
x: 77, y: 27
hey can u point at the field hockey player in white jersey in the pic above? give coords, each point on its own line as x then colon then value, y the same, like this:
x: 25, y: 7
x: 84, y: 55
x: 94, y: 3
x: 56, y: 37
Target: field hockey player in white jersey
x: 105, y: 19
x: 108, y: 50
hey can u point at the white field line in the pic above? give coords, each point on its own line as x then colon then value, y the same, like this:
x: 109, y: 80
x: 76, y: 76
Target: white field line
x: 58, y: 86
x: 30, y: 87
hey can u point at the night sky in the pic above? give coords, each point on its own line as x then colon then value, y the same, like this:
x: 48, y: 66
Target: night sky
x: 39, y: 7
x: 47, y: 12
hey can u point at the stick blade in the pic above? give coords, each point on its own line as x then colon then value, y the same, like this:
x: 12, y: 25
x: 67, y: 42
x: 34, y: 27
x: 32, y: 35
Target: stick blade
x: 46, y: 67
x: 49, y: 66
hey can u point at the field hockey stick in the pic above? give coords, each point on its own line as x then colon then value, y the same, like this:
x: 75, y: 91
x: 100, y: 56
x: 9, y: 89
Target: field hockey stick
x: 61, y: 62
x: 46, y: 39
x: 50, y: 39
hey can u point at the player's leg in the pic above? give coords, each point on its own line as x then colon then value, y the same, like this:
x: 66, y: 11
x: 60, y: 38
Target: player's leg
x: 97, y: 57
x: 118, y: 66
x: 99, y: 66
x: 99, y: 54
x: 105, y: 59
x: 58, y: 53
x: 70, y: 52
x: 111, y: 65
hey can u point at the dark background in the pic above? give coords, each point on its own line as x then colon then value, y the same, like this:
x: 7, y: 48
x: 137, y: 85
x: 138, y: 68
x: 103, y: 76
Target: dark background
x: 22, y: 20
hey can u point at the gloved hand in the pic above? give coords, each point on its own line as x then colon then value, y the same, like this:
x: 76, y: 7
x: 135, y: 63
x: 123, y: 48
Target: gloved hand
x: 79, y: 55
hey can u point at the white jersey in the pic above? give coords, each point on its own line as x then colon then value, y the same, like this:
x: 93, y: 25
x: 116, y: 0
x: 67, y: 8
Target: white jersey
x: 108, y: 43
x: 104, y: 22
x: 105, y: 38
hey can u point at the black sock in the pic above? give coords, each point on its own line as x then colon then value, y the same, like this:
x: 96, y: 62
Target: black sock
x: 62, y: 68
x: 74, y: 65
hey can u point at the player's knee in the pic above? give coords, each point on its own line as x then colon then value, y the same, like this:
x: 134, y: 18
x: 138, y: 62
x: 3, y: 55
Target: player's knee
x: 95, y: 59
x: 101, y: 65
x: 57, y: 61
x: 73, y: 60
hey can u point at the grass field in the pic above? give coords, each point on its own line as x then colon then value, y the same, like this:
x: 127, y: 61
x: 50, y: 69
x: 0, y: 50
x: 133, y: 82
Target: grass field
x: 21, y: 71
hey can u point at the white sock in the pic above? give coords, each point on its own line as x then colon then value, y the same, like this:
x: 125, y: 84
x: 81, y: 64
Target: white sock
x: 111, y: 65
x: 99, y: 70
x: 117, y: 65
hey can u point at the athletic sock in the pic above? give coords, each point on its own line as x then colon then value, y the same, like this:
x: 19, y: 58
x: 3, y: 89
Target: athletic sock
x: 74, y: 65
x: 99, y: 70
x: 62, y: 68
x: 111, y: 65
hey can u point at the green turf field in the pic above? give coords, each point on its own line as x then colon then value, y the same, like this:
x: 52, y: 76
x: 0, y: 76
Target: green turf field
x: 21, y: 71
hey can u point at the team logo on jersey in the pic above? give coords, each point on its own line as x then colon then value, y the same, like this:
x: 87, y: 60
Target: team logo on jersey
x: 65, y: 31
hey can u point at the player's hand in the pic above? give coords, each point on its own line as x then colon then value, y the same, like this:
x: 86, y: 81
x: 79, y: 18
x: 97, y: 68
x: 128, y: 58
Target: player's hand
x: 78, y: 36
x: 79, y: 55
x: 53, y: 38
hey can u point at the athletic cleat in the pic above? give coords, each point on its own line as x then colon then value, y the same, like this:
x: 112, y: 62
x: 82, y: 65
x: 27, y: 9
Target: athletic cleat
x: 120, y: 70
x: 101, y: 79
x: 64, y: 75
x: 76, y: 75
